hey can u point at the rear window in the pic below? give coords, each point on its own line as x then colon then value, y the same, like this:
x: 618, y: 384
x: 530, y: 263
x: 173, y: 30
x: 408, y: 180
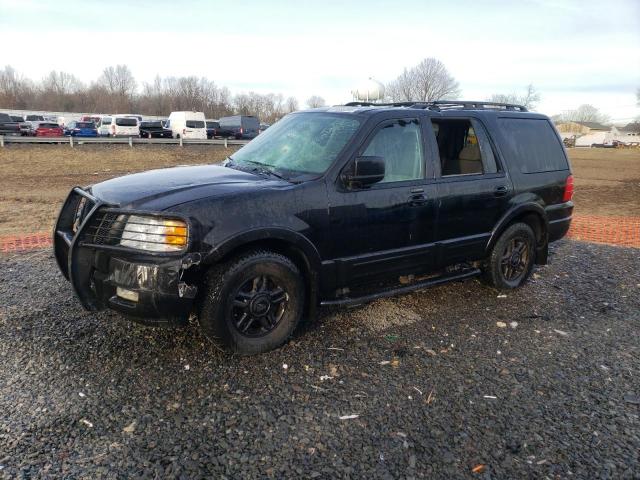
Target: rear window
x: 126, y: 122
x: 106, y: 121
x: 195, y: 124
x: 151, y: 124
x: 34, y: 118
x: 48, y: 125
x: 213, y: 125
x: 81, y: 125
x: 534, y: 145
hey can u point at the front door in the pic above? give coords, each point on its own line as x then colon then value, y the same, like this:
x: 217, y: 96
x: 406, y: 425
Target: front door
x: 473, y: 189
x: 385, y: 230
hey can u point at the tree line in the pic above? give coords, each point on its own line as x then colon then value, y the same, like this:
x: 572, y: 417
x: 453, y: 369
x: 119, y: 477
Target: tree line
x: 117, y: 91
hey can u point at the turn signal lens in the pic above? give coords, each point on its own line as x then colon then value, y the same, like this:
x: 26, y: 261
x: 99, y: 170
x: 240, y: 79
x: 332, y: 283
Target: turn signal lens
x: 176, y: 232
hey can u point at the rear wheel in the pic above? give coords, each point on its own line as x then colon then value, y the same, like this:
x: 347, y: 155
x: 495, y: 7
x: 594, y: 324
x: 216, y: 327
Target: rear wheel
x: 253, y: 303
x: 512, y: 258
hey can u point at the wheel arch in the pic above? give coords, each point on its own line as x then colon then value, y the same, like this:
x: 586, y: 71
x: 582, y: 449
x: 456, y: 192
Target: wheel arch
x: 286, y: 242
x: 533, y: 215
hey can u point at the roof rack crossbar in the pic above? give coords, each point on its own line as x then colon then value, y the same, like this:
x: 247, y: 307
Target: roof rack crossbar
x: 439, y: 105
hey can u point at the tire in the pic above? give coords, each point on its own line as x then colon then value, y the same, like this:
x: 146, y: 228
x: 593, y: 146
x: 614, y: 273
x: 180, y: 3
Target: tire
x: 512, y: 258
x: 253, y: 303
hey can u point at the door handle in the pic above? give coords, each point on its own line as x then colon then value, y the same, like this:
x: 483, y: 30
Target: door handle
x: 417, y: 199
x: 500, y: 191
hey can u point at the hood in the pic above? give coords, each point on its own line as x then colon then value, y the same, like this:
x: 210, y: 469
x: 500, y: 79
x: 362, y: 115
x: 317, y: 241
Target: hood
x: 167, y: 187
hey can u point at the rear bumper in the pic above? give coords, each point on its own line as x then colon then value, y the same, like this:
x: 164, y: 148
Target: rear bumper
x: 96, y: 271
x: 559, y: 220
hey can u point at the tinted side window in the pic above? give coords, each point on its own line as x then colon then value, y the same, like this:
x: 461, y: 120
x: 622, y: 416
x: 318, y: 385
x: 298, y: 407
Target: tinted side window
x: 126, y: 122
x: 400, y: 144
x: 533, y: 144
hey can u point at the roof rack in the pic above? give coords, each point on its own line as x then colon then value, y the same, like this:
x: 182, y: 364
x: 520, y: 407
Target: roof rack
x: 439, y: 105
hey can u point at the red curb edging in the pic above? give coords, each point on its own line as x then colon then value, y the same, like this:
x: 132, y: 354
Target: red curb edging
x: 620, y: 231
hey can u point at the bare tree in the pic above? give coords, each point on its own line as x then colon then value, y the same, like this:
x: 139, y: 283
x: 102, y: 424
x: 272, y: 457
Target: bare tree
x: 429, y: 80
x: 15, y: 90
x: 315, y: 101
x: 529, y: 99
x: 584, y: 113
x: 291, y: 105
x: 120, y: 85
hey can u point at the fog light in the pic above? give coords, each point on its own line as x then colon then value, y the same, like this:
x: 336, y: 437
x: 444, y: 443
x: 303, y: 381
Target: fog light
x: 127, y: 294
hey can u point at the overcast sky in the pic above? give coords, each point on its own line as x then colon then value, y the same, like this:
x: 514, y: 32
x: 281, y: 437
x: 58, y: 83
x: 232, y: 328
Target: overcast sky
x: 573, y: 52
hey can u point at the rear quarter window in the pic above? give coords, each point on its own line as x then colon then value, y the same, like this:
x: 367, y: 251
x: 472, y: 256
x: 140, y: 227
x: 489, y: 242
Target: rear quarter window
x: 195, y: 124
x: 126, y: 122
x: 533, y: 144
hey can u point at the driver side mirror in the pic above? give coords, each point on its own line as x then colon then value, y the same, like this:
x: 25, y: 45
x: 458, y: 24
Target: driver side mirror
x: 363, y: 172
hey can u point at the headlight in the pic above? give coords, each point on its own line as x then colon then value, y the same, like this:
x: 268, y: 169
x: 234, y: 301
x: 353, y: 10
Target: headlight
x: 154, y: 234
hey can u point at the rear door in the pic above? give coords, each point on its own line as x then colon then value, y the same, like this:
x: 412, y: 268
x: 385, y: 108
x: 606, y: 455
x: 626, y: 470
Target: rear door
x: 473, y: 188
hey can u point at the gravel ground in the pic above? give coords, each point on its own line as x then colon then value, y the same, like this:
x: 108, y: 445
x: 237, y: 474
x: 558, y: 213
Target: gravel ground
x: 542, y: 383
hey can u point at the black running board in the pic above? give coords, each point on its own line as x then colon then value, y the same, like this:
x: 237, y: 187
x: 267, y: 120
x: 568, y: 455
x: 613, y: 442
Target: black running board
x: 391, y: 292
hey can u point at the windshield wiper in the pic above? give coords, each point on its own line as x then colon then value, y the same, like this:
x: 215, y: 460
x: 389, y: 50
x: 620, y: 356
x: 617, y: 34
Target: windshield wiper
x: 262, y: 168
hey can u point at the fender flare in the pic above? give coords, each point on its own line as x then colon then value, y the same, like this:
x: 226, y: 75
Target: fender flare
x: 286, y: 235
x: 516, y: 211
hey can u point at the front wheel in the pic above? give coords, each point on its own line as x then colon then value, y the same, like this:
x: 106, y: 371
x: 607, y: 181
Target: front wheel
x: 253, y: 303
x: 512, y: 258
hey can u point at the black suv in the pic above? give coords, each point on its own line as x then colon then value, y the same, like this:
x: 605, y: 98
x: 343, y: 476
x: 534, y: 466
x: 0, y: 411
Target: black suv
x: 330, y: 206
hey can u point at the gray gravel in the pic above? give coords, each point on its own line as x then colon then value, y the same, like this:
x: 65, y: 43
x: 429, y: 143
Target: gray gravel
x: 428, y: 385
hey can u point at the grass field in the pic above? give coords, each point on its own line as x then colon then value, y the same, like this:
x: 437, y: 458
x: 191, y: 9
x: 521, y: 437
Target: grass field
x: 35, y: 179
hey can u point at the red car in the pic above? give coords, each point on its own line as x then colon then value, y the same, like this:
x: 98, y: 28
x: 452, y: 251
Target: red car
x: 46, y: 129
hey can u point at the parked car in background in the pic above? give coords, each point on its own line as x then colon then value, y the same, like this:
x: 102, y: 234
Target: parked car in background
x: 239, y: 126
x: 90, y: 118
x: 263, y: 127
x: 26, y: 129
x: 138, y: 117
x: 213, y: 126
x: 104, y: 126
x: 34, y: 118
x: 187, y: 125
x: 8, y: 126
x: 124, y: 126
x: 154, y: 129
x: 48, y: 129
x: 81, y: 129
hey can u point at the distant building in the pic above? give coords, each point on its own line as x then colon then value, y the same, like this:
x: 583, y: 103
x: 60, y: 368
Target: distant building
x: 630, y: 132
x: 581, y: 128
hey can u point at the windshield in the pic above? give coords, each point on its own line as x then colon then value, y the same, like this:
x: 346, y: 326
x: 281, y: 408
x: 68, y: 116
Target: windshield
x: 300, y: 143
x: 84, y: 125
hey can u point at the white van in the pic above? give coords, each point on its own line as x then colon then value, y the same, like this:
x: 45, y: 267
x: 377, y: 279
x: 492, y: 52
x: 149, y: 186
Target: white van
x: 104, y: 126
x: 124, y: 126
x: 187, y: 125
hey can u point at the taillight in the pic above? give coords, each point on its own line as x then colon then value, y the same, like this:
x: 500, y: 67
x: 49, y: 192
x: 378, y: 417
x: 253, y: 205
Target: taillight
x: 241, y: 131
x: 568, y: 189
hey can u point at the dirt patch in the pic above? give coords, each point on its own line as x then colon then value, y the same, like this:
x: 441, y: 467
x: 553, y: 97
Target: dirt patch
x: 607, y: 181
x: 36, y: 179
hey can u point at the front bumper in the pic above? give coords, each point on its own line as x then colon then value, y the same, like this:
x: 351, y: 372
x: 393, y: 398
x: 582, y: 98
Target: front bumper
x: 160, y: 281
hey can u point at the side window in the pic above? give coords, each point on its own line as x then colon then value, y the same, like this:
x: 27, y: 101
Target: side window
x: 400, y: 144
x: 464, y: 148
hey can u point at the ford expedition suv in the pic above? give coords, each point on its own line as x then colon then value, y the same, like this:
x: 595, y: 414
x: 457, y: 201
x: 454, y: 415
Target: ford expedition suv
x: 331, y: 206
